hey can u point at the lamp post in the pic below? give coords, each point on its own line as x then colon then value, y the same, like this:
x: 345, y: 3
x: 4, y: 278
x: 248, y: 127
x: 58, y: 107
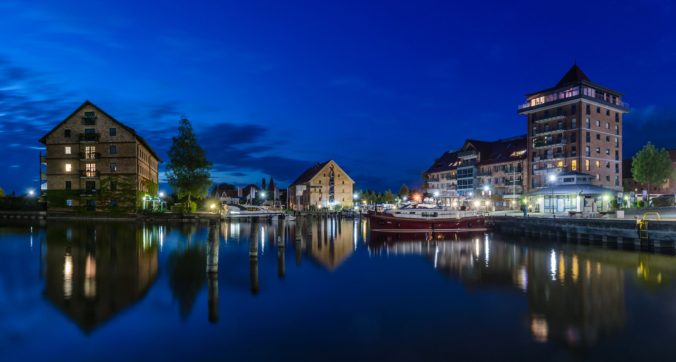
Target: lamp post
x: 552, y: 179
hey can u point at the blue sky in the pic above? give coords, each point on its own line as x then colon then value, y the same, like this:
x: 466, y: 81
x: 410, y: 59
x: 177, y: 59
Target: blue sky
x: 272, y: 87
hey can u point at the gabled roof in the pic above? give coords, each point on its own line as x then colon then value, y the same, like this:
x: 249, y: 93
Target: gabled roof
x: 88, y: 103
x: 312, y: 171
x: 444, y: 163
x: 502, y: 150
x: 574, y: 75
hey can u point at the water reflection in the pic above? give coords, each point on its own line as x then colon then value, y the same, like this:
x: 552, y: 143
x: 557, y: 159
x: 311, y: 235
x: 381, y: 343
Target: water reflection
x: 92, y: 272
x: 575, y: 296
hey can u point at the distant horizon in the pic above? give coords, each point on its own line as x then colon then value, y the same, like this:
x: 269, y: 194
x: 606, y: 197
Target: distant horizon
x: 272, y: 89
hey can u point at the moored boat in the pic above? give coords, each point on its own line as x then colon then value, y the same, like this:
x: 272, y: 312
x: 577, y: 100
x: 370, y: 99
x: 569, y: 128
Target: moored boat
x: 426, y: 220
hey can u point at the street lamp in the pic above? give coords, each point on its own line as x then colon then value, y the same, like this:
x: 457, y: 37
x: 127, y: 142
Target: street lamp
x: 161, y: 194
x: 31, y: 193
x: 552, y: 179
x: 355, y: 196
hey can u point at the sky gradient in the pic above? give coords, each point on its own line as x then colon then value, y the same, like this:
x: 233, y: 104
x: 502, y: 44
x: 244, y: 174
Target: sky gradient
x: 272, y: 87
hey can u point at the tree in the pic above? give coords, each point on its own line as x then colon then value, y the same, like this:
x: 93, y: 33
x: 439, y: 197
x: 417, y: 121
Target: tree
x: 188, y: 168
x: 271, y: 185
x: 651, y: 166
x: 404, y: 191
x: 263, y: 187
x: 2, y: 192
x: 388, y: 197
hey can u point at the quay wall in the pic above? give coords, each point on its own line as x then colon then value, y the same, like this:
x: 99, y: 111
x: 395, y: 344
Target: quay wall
x: 661, y: 235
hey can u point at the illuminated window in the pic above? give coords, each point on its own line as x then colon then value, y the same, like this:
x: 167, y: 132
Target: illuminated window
x: 586, y: 165
x: 573, y: 165
x: 559, y: 164
x: 67, y: 150
x: 598, y: 163
x: 90, y: 152
x: 90, y: 169
x: 69, y: 167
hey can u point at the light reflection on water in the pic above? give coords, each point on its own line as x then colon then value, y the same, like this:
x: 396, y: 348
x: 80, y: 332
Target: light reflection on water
x: 565, y: 297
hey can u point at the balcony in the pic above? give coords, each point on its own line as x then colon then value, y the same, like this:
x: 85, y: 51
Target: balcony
x: 90, y: 174
x: 553, y: 98
x: 550, y: 118
x: 550, y: 131
x: 90, y: 156
x: 467, y: 154
x: 90, y: 137
x: 543, y: 144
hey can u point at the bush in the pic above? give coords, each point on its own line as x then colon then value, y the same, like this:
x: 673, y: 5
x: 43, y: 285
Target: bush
x: 184, y: 207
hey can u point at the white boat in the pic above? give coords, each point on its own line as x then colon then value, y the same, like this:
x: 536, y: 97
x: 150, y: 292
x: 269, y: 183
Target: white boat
x: 246, y: 211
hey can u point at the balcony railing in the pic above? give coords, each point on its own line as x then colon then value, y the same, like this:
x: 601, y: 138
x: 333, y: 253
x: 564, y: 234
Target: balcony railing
x: 90, y: 156
x: 90, y: 137
x: 84, y: 173
x: 552, y: 130
x: 597, y: 98
x: 88, y: 192
x: 541, y: 144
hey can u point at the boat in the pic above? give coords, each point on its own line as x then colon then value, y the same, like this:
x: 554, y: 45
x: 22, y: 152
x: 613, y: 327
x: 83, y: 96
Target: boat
x: 437, y: 220
x: 247, y: 211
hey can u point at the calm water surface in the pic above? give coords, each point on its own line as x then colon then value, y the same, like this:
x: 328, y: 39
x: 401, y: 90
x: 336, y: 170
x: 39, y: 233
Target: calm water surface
x: 324, y: 291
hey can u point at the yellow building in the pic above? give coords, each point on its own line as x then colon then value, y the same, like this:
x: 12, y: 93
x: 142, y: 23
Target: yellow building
x: 324, y: 185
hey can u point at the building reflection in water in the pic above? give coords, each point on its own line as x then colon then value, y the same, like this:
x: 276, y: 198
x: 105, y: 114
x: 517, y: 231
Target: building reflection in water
x: 92, y: 272
x: 574, y: 297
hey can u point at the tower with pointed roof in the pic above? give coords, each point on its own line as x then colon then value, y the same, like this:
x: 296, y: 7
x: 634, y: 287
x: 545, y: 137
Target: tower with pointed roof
x: 575, y: 125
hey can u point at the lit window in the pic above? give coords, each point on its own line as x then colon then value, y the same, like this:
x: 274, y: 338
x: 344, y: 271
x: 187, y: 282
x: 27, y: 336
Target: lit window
x: 69, y: 167
x: 573, y: 165
x: 559, y: 164
x: 598, y: 163
x: 67, y: 150
x: 586, y: 165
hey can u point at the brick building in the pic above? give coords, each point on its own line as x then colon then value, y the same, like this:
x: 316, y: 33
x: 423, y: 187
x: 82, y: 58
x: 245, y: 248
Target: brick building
x: 95, y: 161
x: 324, y: 185
x: 575, y: 126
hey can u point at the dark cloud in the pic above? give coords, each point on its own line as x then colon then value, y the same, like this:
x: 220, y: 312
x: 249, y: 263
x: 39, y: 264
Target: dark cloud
x: 234, y: 147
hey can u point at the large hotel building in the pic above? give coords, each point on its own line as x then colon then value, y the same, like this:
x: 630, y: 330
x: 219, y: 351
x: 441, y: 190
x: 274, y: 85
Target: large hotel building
x: 575, y: 126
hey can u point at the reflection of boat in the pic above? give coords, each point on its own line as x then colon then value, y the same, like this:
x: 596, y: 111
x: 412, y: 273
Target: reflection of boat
x: 424, y: 219
x: 378, y: 237
x: 244, y: 211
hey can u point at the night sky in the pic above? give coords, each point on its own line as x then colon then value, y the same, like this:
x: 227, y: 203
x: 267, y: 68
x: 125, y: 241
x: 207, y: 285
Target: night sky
x: 273, y: 87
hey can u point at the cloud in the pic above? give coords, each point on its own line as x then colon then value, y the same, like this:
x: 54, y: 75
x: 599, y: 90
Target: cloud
x: 238, y: 147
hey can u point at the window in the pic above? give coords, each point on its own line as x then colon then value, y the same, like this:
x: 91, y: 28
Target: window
x: 588, y: 111
x: 113, y: 149
x: 113, y: 132
x: 68, y: 185
x: 113, y: 203
x: 617, y: 117
x: 598, y: 177
x: 598, y: 123
x: 617, y: 143
x: 607, y: 151
x: 559, y: 164
x: 607, y: 138
x: 66, y: 133
x: 608, y: 164
x: 598, y: 150
x: 607, y: 112
x: 113, y: 167
x: 573, y: 165
x: 607, y: 125
x: 586, y: 165
x: 598, y: 109
x: 573, y: 109
x: 586, y: 121
x: 69, y: 167
x: 588, y: 137
x: 573, y: 137
x: 598, y: 164
x: 587, y: 151
x: 607, y: 177
x: 90, y: 152
x: 67, y: 150
x: 113, y: 185
x: 617, y: 155
x: 573, y: 123
x: 90, y: 169
x: 90, y: 131
x: 598, y: 136
x: 69, y: 203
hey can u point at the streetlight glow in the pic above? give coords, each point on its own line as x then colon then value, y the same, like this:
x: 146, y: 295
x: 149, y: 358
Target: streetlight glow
x: 552, y: 178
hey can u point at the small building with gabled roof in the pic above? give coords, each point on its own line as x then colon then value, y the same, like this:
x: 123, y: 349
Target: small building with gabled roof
x: 324, y: 185
x: 95, y: 162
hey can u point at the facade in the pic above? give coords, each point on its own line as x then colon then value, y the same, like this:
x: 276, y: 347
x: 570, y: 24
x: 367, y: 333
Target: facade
x: 441, y: 177
x: 575, y: 126
x: 493, y: 170
x: 572, y: 192
x: 324, y: 185
x: 94, y: 161
x: 669, y: 187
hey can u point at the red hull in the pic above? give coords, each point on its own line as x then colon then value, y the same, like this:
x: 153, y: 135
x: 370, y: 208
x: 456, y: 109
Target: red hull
x: 387, y: 223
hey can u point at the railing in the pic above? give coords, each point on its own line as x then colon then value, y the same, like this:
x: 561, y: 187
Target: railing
x: 90, y: 156
x: 90, y: 137
x: 539, y: 144
x: 555, y: 129
x: 88, y: 192
x: 468, y: 153
x: 555, y: 98
x: 84, y: 173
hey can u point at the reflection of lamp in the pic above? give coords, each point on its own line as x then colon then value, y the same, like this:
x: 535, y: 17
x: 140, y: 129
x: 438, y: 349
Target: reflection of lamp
x: 552, y: 179
x: 68, y: 276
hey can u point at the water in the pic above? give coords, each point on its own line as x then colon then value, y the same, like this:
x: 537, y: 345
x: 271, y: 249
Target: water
x: 324, y: 291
